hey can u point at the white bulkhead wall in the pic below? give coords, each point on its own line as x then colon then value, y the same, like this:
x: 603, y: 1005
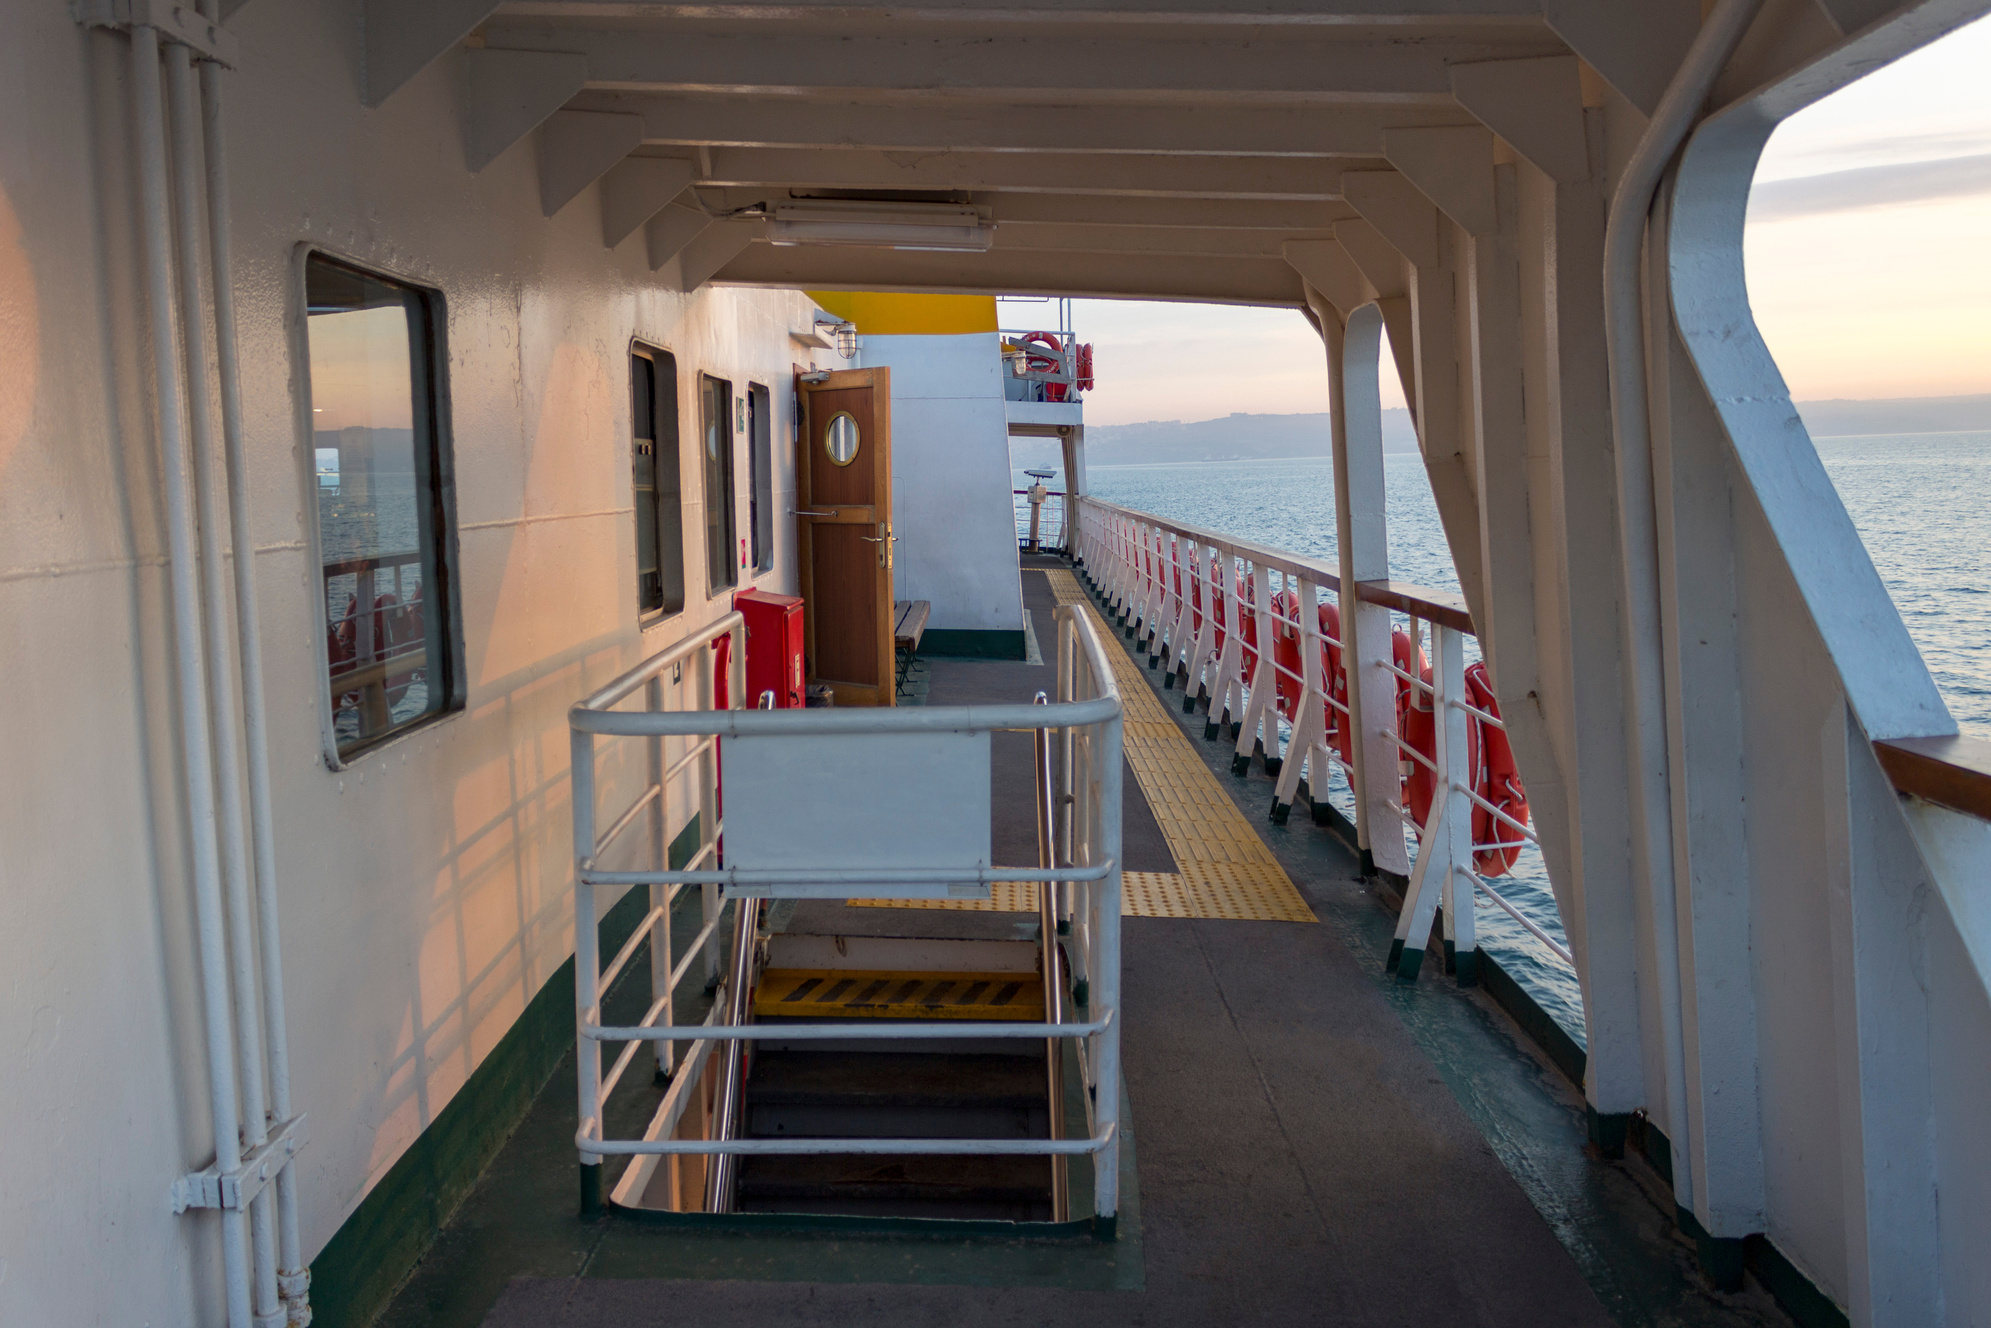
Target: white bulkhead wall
x: 424, y: 888
x: 951, y: 503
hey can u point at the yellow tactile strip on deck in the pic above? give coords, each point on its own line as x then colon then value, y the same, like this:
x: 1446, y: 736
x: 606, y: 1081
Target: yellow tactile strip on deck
x: 1226, y: 871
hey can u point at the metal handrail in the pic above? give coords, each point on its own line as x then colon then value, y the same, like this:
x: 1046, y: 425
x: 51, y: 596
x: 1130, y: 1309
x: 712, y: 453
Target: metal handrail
x: 1180, y: 586
x: 1087, y: 723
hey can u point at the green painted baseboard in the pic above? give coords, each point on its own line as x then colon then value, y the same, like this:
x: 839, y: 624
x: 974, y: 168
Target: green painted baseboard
x: 356, y: 1273
x: 963, y: 643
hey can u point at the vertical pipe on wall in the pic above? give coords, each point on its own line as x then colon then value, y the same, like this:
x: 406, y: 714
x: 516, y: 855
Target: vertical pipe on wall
x: 187, y: 173
x: 293, y: 1277
x: 190, y: 656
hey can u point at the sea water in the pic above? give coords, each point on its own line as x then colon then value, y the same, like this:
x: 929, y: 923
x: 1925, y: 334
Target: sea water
x: 1921, y: 503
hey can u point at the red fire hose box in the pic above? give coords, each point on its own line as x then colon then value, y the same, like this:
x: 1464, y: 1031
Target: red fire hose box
x: 774, y: 647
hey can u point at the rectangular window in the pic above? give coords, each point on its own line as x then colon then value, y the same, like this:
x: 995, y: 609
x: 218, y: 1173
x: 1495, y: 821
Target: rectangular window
x: 384, y: 502
x: 659, y: 500
x: 760, y: 502
x: 718, y: 461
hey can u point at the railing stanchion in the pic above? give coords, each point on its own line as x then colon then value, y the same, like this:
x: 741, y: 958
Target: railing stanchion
x: 1448, y: 669
x: 1309, y: 730
x: 587, y: 967
x: 660, y: 895
x: 1259, y: 711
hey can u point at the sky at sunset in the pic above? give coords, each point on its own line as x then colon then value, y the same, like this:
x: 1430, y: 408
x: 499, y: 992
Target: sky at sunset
x: 1869, y: 252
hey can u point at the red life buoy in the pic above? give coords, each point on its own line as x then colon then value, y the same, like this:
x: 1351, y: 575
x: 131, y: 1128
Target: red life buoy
x: 1049, y: 360
x: 1084, y: 371
x: 1247, y: 628
x: 1496, y: 779
x: 1334, y: 670
x: 1489, y: 764
x: 1287, y: 678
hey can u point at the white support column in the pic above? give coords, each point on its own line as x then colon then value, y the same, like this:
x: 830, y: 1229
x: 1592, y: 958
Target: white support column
x: 1877, y: 894
x: 1708, y: 789
x: 1071, y: 441
x: 1354, y: 352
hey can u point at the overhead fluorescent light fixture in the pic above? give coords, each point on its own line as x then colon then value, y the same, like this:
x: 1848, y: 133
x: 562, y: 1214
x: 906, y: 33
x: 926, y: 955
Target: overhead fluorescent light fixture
x: 882, y: 225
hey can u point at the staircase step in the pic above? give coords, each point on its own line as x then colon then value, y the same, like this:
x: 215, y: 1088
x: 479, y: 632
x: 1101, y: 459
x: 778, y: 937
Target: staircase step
x: 867, y: 994
x: 920, y: 1185
x: 895, y: 1095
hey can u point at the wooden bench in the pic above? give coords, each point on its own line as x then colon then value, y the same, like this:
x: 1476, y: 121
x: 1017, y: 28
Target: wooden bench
x: 908, y: 626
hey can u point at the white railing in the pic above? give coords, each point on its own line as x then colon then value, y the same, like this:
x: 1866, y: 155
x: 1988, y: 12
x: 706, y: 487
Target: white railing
x: 1208, y: 604
x: 1084, y: 725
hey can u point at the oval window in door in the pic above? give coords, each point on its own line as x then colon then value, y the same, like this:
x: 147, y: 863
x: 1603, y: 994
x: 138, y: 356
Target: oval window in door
x: 840, y: 440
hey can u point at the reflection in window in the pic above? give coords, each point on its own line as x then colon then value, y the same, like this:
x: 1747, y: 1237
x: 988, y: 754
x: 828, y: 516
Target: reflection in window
x: 718, y: 462
x: 654, y: 458
x: 381, y: 488
x: 760, y: 501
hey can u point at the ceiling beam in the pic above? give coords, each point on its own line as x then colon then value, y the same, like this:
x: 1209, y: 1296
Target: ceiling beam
x: 1329, y: 270
x: 1052, y: 64
x: 1398, y: 210
x: 637, y: 189
x: 670, y: 230
x: 1536, y: 106
x: 402, y: 39
x: 930, y: 125
x: 712, y: 249
x: 1635, y: 47
x: 1111, y: 210
x: 1288, y: 178
x: 1404, y: 17
x: 1451, y: 167
x: 576, y: 148
x: 1183, y: 240
x: 508, y: 94
x: 1257, y: 281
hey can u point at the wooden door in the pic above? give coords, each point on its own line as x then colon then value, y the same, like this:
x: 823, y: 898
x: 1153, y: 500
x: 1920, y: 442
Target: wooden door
x: 843, y: 477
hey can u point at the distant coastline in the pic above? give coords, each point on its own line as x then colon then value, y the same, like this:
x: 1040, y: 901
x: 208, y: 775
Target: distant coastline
x: 1247, y: 437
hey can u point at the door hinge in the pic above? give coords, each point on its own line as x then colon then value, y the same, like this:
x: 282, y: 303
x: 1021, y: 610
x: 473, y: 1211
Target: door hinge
x: 237, y: 1189
x: 206, y: 38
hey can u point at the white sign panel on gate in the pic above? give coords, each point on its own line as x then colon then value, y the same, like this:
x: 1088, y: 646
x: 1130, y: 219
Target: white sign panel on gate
x: 844, y: 804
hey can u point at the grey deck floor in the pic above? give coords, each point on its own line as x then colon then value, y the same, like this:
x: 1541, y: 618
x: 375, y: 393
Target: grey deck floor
x: 1314, y: 1145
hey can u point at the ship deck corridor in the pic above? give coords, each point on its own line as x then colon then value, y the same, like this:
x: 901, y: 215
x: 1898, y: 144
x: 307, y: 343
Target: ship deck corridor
x: 1309, y: 1141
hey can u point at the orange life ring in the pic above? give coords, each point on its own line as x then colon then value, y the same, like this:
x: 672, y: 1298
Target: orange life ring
x: 1288, y: 677
x: 1084, y: 367
x: 1044, y: 361
x: 1489, y: 763
x: 1334, y: 669
x: 1496, y: 779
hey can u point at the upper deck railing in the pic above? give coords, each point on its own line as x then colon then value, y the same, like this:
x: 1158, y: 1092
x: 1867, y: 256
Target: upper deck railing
x: 1045, y: 366
x: 1356, y: 691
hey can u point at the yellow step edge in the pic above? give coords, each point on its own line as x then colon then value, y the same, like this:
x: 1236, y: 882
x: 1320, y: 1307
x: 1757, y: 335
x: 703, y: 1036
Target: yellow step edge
x: 858, y: 994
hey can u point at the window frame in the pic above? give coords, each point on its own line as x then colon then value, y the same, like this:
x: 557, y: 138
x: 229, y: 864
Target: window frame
x: 760, y: 483
x: 441, y: 593
x: 661, y: 358
x: 722, y: 572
